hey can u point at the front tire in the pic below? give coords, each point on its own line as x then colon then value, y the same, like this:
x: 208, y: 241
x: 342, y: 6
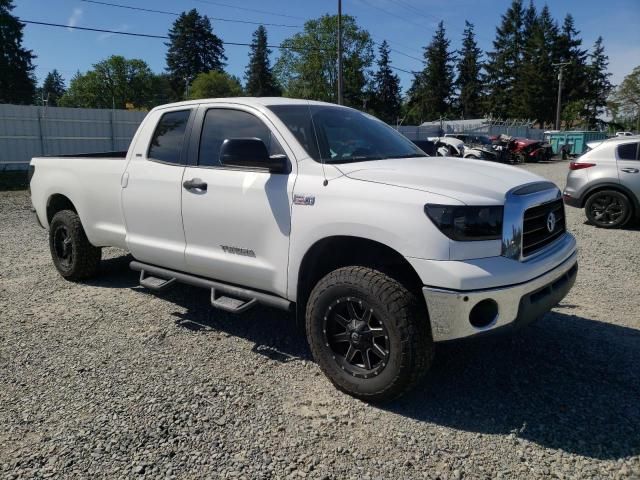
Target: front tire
x: 608, y: 209
x: 73, y: 255
x: 368, y: 333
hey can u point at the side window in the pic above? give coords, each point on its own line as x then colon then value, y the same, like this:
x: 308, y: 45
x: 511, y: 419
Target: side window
x: 167, y: 140
x: 221, y: 124
x: 628, y: 151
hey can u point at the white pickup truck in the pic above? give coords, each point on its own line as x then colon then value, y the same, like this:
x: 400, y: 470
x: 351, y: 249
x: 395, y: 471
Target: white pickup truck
x: 322, y: 210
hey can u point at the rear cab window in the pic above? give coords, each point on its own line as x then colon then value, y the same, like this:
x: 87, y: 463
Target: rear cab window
x: 628, y: 151
x: 168, y: 138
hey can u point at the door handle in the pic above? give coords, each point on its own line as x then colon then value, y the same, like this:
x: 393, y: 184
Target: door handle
x: 630, y: 170
x: 195, y: 184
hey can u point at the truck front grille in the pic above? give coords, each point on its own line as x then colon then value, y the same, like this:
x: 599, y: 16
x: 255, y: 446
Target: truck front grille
x: 537, y: 232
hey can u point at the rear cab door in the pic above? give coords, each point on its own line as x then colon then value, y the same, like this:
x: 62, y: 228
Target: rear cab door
x: 152, y: 188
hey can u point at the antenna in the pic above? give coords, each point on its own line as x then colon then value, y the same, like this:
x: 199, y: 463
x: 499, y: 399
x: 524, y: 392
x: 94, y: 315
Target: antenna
x: 315, y: 134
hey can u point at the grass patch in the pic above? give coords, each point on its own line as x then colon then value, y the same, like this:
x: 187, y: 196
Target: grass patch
x: 13, y: 180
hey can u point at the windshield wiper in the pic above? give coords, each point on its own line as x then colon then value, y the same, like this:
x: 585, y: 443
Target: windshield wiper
x: 353, y: 159
x: 410, y: 155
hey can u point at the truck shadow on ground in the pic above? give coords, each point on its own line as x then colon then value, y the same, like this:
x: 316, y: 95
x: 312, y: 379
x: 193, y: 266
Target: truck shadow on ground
x: 565, y: 382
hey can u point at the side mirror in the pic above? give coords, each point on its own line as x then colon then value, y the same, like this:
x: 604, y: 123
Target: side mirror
x: 251, y: 153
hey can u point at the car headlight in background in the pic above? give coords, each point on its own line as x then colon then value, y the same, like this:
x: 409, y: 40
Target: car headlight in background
x: 467, y: 223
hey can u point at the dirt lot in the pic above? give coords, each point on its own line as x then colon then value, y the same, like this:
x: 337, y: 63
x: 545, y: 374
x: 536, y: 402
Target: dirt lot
x: 104, y: 380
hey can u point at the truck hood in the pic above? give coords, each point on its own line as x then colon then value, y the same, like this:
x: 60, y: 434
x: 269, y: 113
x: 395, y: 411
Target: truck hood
x: 473, y: 182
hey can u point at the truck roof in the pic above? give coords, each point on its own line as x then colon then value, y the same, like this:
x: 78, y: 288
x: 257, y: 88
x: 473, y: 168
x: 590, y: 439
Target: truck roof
x: 249, y: 101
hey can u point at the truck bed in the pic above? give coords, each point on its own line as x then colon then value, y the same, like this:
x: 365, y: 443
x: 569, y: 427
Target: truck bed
x: 91, y: 182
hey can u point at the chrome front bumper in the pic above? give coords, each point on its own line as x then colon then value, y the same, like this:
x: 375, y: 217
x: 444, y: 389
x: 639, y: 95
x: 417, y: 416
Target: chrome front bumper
x: 517, y: 305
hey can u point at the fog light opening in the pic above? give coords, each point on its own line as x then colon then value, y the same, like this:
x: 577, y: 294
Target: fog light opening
x: 483, y: 313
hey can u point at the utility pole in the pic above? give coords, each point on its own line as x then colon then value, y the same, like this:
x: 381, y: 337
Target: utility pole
x: 340, y: 100
x: 559, y: 106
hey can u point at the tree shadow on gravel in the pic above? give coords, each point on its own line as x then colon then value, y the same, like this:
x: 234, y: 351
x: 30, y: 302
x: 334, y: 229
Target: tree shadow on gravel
x: 565, y: 382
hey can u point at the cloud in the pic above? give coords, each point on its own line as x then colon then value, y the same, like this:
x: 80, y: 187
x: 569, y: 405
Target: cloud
x: 75, y: 17
x: 104, y: 36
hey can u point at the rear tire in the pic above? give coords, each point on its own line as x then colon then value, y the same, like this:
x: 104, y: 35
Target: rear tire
x: 608, y: 209
x: 73, y: 255
x: 368, y: 333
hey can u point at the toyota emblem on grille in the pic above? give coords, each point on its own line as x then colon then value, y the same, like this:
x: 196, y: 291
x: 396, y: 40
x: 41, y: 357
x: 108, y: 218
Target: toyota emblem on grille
x: 551, y: 222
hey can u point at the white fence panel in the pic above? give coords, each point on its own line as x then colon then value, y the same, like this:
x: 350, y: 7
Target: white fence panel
x: 29, y: 131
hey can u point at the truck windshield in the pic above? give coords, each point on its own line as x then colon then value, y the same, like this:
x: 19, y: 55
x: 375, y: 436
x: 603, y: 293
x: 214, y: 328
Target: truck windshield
x: 341, y: 135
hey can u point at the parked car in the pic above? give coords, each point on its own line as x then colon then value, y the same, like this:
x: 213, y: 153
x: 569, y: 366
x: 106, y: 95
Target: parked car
x: 448, y: 147
x: 521, y: 150
x: 624, y: 134
x: 476, y: 146
x: 605, y: 181
x: 310, y: 207
x: 427, y: 146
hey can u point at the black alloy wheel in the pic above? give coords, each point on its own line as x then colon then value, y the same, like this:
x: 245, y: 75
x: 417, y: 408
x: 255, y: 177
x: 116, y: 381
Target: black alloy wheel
x: 73, y: 255
x: 357, y: 338
x: 369, y: 334
x: 608, y: 209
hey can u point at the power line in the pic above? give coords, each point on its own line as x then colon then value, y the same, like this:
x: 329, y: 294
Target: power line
x: 165, y: 12
x: 387, y: 12
x: 408, y: 6
x: 249, y: 9
x: 148, y: 35
x: 402, y: 70
x: 176, y: 14
x: 164, y: 37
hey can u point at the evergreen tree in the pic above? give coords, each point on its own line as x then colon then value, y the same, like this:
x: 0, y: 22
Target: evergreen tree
x: 536, y: 84
x: 469, y: 81
x: 385, y: 100
x: 504, y: 62
x: 260, y: 79
x: 17, y: 84
x: 598, y: 84
x: 193, y: 49
x: 568, y: 49
x: 53, y: 88
x: 433, y: 87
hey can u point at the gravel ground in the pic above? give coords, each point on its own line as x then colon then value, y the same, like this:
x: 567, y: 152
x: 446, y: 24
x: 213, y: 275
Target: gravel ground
x: 104, y: 380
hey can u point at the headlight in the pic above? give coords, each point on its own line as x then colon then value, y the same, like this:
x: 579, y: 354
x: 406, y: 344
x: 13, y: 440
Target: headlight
x: 464, y: 223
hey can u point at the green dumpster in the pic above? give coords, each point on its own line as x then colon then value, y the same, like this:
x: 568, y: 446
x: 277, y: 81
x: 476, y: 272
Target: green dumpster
x: 576, y: 141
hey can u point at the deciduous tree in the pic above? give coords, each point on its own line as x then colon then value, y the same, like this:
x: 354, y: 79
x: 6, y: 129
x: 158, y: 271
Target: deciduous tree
x: 215, y: 84
x: 307, y: 66
x: 113, y: 83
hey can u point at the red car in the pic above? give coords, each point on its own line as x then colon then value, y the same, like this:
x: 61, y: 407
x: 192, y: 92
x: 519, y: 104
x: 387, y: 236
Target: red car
x: 520, y: 150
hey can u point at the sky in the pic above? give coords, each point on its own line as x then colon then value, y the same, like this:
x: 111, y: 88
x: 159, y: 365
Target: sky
x: 408, y: 25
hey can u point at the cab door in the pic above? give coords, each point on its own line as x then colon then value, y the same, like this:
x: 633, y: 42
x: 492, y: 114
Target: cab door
x: 152, y: 189
x: 237, y: 221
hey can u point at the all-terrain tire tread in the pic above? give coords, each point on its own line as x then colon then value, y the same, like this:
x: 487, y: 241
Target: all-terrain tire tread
x: 403, y: 307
